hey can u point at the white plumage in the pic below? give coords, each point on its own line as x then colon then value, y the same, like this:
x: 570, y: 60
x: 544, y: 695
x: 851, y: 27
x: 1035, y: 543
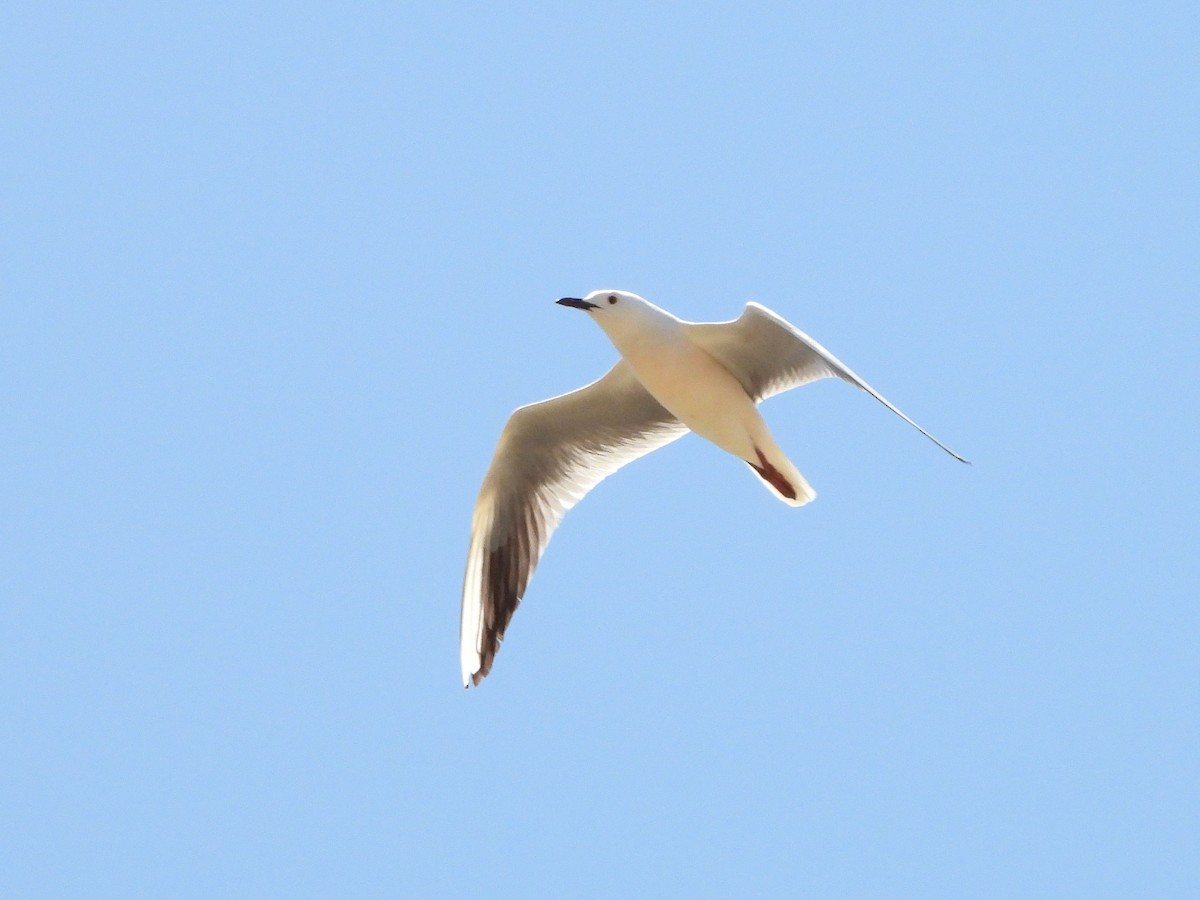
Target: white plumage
x: 673, y: 377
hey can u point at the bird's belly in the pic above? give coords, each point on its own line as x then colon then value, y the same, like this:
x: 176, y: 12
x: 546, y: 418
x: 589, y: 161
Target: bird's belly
x: 702, y: 394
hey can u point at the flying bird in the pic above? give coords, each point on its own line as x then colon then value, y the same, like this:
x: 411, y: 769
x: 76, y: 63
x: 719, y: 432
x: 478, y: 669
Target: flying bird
x: 673, y: 377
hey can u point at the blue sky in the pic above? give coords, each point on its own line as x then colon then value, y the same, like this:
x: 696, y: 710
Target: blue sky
x: 274, y: 276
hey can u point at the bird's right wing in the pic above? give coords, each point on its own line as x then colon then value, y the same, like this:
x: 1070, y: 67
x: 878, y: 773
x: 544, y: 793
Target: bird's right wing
x: 769, y: 355
x: 550, y: 454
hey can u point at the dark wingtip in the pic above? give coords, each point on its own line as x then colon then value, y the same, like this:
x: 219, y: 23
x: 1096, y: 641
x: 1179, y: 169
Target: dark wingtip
x: 484, y: 668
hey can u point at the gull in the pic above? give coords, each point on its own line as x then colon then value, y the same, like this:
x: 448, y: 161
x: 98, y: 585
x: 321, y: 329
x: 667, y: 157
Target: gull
x: 673, y: 377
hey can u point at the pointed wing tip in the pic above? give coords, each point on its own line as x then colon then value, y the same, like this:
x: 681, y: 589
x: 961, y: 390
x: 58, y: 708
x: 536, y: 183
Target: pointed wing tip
x: 961, y: 459
x: 471, y: 671
x: 473, y: 678
x: 472, y: 675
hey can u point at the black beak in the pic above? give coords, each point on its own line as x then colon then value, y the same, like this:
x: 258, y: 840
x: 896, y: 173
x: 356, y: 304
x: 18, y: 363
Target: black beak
x: 576, y: 303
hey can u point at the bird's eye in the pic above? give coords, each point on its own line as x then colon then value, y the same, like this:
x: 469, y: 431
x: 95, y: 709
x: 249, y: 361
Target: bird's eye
x: 612, y: 298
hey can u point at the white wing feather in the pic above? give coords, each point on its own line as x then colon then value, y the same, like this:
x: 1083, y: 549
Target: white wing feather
x: 769, y: 355
x: 549, y: 456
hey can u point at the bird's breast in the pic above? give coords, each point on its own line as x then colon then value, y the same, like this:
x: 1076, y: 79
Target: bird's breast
x: 697, y: 390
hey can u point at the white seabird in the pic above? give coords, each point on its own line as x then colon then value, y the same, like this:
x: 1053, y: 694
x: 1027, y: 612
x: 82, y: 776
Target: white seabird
x: 673, y: 377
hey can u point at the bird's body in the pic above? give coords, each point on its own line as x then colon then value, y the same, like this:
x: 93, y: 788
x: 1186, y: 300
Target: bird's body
x: 705, y: 396
x: 673, y: 377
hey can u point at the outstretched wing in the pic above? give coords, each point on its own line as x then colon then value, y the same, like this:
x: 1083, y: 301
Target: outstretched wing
x: 550, y: 454
x: 769, y: 355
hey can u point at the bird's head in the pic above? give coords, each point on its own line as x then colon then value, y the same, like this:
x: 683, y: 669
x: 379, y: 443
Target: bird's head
x: 621, y: 314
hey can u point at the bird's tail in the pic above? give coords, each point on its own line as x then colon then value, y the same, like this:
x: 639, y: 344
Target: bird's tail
x: 781, y: 477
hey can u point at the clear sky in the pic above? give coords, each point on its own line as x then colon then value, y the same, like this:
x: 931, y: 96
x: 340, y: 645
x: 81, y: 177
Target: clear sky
x: 274, y: 275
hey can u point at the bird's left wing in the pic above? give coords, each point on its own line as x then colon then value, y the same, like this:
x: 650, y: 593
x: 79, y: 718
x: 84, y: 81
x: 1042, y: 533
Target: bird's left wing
x: 769, y: 355
x: 550, y: 454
